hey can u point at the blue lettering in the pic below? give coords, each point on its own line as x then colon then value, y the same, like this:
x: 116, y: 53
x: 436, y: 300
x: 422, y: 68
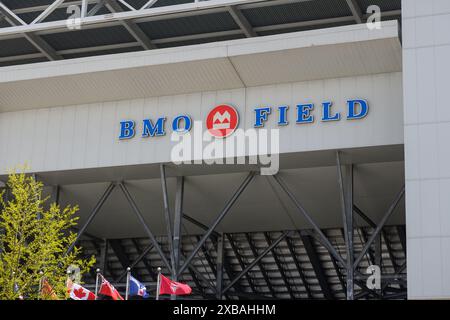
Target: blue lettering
x: 357, y: 113
x: 150, y: 130
x: 304, y: 113
x: 261, y: 115
x: 326, y: 114
x: 126, y: 129
x: 282, y: 115
x: 187, y: 124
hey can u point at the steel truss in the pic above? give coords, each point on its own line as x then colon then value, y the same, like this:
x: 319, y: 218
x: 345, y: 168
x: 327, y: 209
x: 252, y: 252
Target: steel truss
x: 236, y: 276
x: 125, y: 13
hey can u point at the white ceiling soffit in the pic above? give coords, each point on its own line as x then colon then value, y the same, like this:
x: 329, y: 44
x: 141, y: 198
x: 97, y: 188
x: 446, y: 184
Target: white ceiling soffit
x: 308, y: 55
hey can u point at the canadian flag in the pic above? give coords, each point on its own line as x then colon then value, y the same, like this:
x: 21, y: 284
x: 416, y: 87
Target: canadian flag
x: 107, y: 289
x: 168, y: 286
x: 77, y: 292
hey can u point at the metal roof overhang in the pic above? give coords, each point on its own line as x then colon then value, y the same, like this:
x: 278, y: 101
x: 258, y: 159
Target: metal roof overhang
x: 33, y: 31
x: 309, y: 55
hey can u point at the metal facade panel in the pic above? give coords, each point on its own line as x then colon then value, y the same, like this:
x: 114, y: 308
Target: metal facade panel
x: 189, y: 25
x: 294, y: 12
x: 98, y: 122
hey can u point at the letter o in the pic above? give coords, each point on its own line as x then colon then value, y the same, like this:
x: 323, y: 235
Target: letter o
x: 187, y: 124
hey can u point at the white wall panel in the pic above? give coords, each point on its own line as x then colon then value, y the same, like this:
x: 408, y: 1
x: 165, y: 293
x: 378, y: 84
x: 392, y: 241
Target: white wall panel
x: 86, y: 136
x: 426, y: 65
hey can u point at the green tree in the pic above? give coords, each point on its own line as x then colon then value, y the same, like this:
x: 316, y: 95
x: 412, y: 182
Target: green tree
x: 34, y: 241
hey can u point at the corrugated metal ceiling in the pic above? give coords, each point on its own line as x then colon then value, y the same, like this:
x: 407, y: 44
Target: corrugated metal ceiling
x: 169, y: 31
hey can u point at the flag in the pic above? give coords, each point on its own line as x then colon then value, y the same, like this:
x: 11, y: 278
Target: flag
x: 77, y: 292
x: 107, y: 289
x: 168, y: 286
x: 47, y: 291
x: 137, y: 289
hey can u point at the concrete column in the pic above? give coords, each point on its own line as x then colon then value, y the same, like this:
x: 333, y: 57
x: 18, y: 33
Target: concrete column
x: 426, y: 70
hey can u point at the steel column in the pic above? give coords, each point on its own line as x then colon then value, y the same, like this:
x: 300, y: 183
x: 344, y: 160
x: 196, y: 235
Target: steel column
x: 55, y: 194
x: 177, y: 226
x: 144, y: 224
x: 218, y: 219
x: 91, y: 217
x: 345, y: 178
x: 219, y: 268
x: 257, y: 259
x: 104, y: 256
x: 162, y: 169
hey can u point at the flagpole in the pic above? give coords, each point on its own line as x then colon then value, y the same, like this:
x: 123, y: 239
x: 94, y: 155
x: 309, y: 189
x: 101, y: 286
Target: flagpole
x: 96, y: 282
x: 158, y: 283
x: 40, y: 284
x: 127, y: 291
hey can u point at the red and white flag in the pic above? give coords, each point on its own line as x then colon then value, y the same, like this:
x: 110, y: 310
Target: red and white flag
x: 77, y: 292
x: 168, y: 286
x: 107, y: 289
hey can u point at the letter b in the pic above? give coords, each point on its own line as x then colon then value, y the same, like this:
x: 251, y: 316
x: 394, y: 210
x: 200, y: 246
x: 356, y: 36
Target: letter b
x: 126, y: 129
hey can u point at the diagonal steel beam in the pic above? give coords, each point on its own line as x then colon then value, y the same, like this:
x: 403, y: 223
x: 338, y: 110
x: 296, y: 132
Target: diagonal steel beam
x: 242, y: 21
x: 116, y: 246
x: 299, y: 267
x: 260, y: 265
x: 380, y: 226
x: 360, y: 213
x: 11, y: 16
x: 91, y: 217
x: 214, y: 234
x: 339, y: 275
x: 199, y: 275
x: 356, y: 10
x: 241, y: 264
x: 257, y: 259
x: 324, y: 240
x: 317, y: 266
x: 131, y: 27
x: 197, y: 282
x: 96, y: 8
x: 144, y: 224
x: 218, y: 219
x: 148, y: 4
x: 35, y: 40
x: 389, y: 249
x: 279, y: 266
x: 52, y: 7
x: 140, y: 258
x: 127, y: 5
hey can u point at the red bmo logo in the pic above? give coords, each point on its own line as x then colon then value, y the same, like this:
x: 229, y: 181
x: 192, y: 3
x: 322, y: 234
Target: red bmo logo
x: 222, y: 121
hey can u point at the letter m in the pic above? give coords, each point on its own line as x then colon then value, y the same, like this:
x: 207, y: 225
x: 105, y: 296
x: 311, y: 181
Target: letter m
x: 150, y: 130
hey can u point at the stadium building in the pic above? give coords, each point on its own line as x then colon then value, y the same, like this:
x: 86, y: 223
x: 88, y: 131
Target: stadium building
x: 92, y: 90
